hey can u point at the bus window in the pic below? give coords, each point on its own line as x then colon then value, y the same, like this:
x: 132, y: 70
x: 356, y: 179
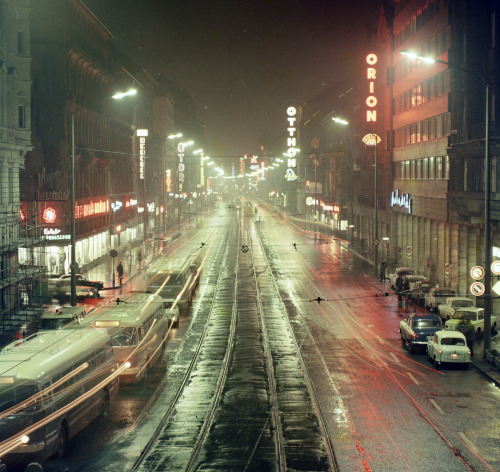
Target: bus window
x: 16, y: 395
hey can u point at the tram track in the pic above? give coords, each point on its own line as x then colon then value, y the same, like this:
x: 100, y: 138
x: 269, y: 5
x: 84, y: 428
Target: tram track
x: 246, y: 401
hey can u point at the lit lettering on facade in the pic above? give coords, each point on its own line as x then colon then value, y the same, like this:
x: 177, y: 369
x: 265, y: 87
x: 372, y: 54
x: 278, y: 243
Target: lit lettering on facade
x: 142, y: 133
x: 168, y: 180
x: 403, y: 200
x: 291, y: 141
x: 181, y: 169
x: 371, y: 75
x: 92, y: 208
x: 51, y: 231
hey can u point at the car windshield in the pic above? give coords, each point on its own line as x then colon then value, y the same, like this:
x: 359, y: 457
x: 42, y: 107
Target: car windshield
x: 463, y: 303
x: 464, y: 316
x: 453, y: 342
x: 428, y: 323
x: 444, y: 293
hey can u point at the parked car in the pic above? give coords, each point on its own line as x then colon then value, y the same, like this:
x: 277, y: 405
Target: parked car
x: 473, y: 314
x: 448, y: 346
x: 418, y: 292
x: 417, y: 327
x: 414, y: 279
x: 404, y: 271
x: 447, y: 308
x: 438, y: 295
x: 82, y: 280
x: 60, y: 288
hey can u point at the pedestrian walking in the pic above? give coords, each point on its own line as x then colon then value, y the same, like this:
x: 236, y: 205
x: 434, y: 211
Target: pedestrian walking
x: 119, y: 271
x: 383, y: 267
x: 399, y: 286
x: 467, y: 329
x: 406, y: 288
x: 139, y: 257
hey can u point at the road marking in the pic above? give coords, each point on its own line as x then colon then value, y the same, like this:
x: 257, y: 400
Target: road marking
x: 396, y: 358
x: 436, y: 406
x: 467, y: 441
x: 413, y: 378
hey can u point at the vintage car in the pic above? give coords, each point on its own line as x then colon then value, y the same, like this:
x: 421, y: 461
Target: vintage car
x: 418, y: 292
x: 172, y: 312
x: 447, y: 308
x: 414, y: 279
x: 403, y: 271
x: 416, y: 328
x: 448, y: 346
x: 438, y: 295
x: 473, y: 314
x: 82, y: 280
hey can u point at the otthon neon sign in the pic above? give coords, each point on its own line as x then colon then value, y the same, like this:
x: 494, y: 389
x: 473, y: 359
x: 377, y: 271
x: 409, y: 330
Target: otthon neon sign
x: 371, y: 75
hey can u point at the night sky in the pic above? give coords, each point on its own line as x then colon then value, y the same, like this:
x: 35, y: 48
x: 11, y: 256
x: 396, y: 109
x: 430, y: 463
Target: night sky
x: 243, y: 62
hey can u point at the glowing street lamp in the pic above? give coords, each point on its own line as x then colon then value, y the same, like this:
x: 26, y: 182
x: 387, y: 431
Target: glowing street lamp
x: 487, y: 186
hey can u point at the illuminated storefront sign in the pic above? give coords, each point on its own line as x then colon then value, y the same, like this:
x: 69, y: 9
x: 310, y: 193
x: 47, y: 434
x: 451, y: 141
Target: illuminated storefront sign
x: 404, y: 200
x: 291, y: 141
x: 142, y: 133
x: 51, y: 231
x: 168, y: 180
x: 49, y: 215
x: 371, y: 75
x: 182, y: 167
x: 91, y: 208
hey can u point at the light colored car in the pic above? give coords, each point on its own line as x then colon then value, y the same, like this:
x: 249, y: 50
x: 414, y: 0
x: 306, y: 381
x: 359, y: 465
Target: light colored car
x: 448, y: 346
x: 438, y: 295
x: 403, y: 271
x: 414, y: 279
x: 473, y: 314
x: 418, y: 292
x: 447, y: 308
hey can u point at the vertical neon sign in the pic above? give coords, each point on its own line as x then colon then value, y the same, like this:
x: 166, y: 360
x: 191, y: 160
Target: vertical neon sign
x: 371, y: 75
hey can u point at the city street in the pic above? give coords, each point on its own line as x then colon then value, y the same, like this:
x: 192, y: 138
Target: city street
x: 383, y: 408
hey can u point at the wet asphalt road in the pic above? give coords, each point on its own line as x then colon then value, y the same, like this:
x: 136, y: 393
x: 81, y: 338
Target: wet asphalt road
x: 383, y: 408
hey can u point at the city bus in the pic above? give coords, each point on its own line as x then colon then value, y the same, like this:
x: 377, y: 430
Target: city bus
x: 138, y: 324
x: 52, y: 385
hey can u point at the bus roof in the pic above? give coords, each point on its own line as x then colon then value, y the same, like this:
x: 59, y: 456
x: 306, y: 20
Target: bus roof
x: 46, y: 352
x: 127, y: 310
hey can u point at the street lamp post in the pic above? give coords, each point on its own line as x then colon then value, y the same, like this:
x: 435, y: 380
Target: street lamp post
x: 370, y: 139
x: 487, y: 186
x: 117, y: 96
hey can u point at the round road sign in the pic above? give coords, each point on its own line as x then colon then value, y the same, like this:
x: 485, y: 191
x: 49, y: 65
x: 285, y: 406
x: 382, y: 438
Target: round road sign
x: 477, y: 289
x: 495, y: 267
x: 477, y: 272
x: 447, y: 268
x: 409, y: 251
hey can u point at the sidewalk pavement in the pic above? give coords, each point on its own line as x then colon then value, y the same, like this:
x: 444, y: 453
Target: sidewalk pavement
x: 479, y: 361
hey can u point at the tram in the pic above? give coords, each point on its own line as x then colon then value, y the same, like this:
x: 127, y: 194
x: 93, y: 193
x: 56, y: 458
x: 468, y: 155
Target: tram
x: 52, y: 385
x: 138, y: 324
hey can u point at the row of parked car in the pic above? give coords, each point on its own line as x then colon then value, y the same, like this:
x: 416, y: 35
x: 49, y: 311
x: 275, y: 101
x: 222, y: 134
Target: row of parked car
x: 439, y: 332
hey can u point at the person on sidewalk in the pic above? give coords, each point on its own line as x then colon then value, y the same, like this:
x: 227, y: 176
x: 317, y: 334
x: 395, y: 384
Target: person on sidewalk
x: 119, y: 271
x: 383, y: 267
x: 467, y: 329
x: 399, y: 286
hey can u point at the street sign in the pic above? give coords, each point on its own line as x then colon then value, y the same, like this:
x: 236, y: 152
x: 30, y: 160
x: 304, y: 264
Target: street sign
x: 495, y: 267
x: 477, y: 289
x: 447, y: 268
x: 409, y: 251
x: 477, y: 272
x: 376, y: 242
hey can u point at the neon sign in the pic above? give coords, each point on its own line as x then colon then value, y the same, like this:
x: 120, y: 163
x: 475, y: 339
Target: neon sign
x: 180, y: 154
x: 404, y: 200
x: 49, y: 215
x: 291, y: 141
x: 91, y: 208
x: 371, y: 75
x: 142, y: 133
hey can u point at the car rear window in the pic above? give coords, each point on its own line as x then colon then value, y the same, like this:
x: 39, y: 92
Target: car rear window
x: 428, y: 323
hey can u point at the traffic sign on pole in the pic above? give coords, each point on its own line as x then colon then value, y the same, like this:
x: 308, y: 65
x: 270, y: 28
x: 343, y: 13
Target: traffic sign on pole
x: 477, y: 272
x: 477, y: 289
x: 495, y: 267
